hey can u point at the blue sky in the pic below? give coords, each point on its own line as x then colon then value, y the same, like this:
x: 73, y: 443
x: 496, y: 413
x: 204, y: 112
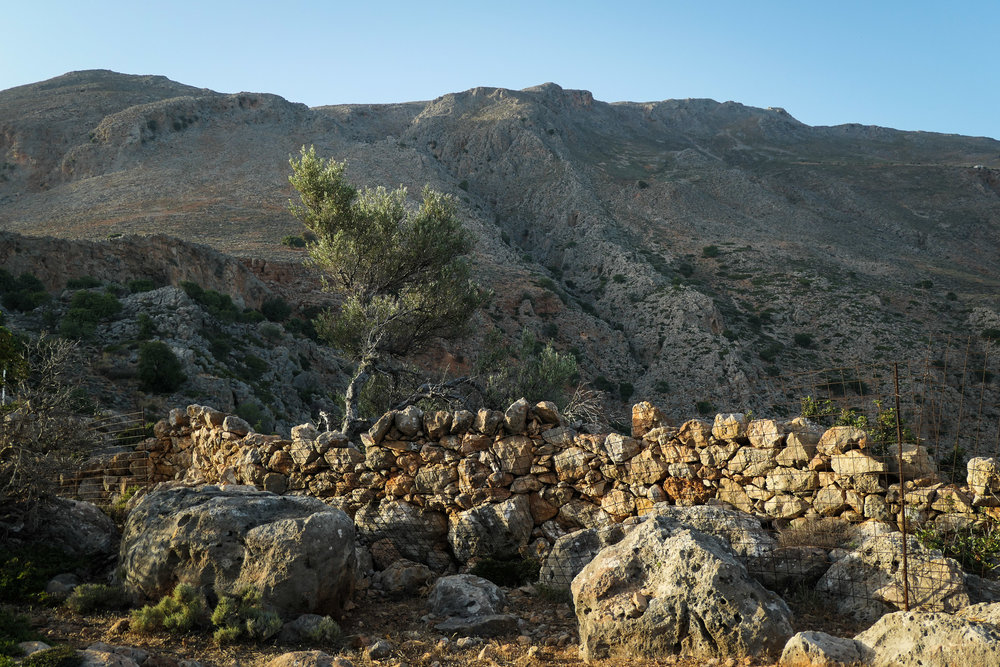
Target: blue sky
x: 915, y: 65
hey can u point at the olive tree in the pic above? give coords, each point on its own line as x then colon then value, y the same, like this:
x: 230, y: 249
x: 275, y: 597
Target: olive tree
x: 403, y: 271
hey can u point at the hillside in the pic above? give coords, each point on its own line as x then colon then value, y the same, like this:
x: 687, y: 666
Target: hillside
x: 688, y: 250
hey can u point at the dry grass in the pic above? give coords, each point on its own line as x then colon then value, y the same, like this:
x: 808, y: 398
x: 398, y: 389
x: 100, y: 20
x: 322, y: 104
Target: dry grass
x: 827, y: 533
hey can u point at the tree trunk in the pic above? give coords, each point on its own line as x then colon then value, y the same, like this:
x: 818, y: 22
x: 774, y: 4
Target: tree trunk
x: 352, y: 423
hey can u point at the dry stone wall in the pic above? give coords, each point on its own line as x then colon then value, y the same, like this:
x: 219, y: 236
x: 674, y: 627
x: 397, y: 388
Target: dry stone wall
x: 501, y: 482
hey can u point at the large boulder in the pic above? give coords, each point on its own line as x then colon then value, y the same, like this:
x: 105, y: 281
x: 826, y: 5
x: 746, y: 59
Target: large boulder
x: 395, y: 529
x: 471, y: 606
x: 868, y: 582
x: 742, y: 532
x: 909, y: 639
x: 496, y: 530
x: 75, y: 526
x: 571, y: 552
x: 818, y: 649
x: 666, y: 589
x: 297, y: 551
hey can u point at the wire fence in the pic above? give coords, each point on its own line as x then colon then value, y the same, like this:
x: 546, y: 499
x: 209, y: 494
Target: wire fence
x: 874, y: 485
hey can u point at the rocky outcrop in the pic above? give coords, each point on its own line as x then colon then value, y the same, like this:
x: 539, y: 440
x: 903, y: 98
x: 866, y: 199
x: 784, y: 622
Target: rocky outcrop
x: 665, y: 590
x: 298, y: 552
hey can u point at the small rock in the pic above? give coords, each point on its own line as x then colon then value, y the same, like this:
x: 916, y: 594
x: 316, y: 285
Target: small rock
x: 379, y: 650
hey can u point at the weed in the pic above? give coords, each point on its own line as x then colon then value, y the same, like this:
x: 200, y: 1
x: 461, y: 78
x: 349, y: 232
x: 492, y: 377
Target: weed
x: 293, y: 241
x: 25, y: 571
x: 140, y: 285
x: 14, y: 629
x: 86, y: 598
x: 57, y: 656
x: 177, y: 612
x: 243, y: 617
x: 83, y: 282
x: 976, y: 547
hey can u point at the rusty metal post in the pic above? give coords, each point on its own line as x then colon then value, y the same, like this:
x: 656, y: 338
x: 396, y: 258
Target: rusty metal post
x: 902, y: 490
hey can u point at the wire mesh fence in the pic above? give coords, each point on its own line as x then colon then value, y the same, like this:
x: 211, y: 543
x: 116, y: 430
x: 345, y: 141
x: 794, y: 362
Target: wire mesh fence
x: 874, y: 485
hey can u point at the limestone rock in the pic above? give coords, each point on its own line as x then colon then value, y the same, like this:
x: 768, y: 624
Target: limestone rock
x: 515, y: 417
x: 547, y: 412
x: 664, y: 590
x: 645, y: 417
x: 765, y: 433
x: 299, y: 552
x: 841, y: 439
x: 855, y: 462
x: 573, y: 551
x: 730, y: 426
x: 403, y: 578
x: 409, y: 421
x: 76, y: 527
x: 818, y: 649
x: 465, y: 595
x: 695, y: 433
x: 983, y: 476
x: 912, y: 639
x: 406, y: 530
x: 496, y: 530
x: 868, y: 582
x: 917, y: 461
x: 620, y: 448
x: 738, y: 530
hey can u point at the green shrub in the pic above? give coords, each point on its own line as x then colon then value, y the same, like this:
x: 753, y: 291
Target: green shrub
x: 86, y: 598
x: 25, y: 571
x: 160, y: 370
x: 991, y: 334
x: 86, y: 309
x: 243, y: 617
x: 516, y: 572
x: 270, y: 332
x: 464, y: 185
x: 147, y: 328
x: 83, y: 282
x: 325, y: 631
x: 625, y: 390
x: 57, y: 656
x: 710, y: 251
x: 140, y: 285
x: 662, y: 387
x: 14, y: 629
x: 602, y: 383
x: 770, y: 352
x: 276, y: 309
x: 618, y: 278
x: 976, y: 547
x: 803, y: 339
x: 704, y: 407
x: 178, y: 612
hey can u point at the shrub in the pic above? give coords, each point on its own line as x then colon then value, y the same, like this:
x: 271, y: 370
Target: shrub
x: 160, y: 370
x: 710, y: 251
x: 991, y: 334
x: 178, y: 612
x: 243, y: 617
x: 803, y: 339
x: 140, y: 285
x: 625, y: 390
x: 83, y: 282
x: 662, y: 387
x: 276, y: 309
x: 86, y: 309
x: 25, y: 571
x: 57, y: 656
x: 86, y: 598
x: 770, y: 352
x: 14, y: 629
x: 618, y: 278
x: 293, y: 241
x: 464, y: 185
x: 827, y: 533
x: 147, y: 328
x: 976, y: 547
x: 270, y: 332
x: 704, y: 407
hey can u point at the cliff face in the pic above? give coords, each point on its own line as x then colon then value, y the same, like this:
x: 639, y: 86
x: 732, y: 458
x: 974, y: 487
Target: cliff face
x: 689, y: 248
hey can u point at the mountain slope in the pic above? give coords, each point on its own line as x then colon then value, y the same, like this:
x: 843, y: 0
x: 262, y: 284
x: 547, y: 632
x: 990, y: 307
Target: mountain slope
x: 689, y: 248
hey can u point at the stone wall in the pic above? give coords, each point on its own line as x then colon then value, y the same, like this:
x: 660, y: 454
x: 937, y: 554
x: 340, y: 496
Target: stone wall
x: 530, y: 468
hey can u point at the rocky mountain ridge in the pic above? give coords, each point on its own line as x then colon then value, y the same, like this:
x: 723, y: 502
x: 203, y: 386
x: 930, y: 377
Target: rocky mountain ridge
x: 688, y: 249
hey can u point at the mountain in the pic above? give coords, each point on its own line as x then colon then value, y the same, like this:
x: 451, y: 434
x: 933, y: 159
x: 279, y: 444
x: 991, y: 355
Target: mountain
x: 691, y: 251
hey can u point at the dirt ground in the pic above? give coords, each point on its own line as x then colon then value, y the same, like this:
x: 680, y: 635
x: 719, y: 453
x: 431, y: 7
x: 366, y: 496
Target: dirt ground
x: 550, y: 637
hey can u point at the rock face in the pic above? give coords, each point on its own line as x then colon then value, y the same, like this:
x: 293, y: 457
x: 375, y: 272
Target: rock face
x: 666, y: 590
x: 79, y: 528
x: 472, y: 607
x: 299, y: 552
x: 868, y: 582
x: 913, y: 639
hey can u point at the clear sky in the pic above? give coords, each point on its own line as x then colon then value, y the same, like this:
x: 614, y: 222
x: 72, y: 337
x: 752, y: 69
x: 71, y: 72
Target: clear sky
x: 915, y: 65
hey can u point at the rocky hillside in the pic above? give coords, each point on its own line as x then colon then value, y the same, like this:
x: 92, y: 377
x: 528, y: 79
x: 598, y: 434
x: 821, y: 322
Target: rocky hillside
x: 686, y: 250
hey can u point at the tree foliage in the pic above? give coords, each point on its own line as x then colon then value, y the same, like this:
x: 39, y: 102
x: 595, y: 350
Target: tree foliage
x: 402, y: 271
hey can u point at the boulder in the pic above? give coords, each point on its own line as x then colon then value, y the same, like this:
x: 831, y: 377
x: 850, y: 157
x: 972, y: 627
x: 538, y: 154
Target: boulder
x: 297, y: 551
x: 620, y: 448
x: 868, y: 582
x: 740, y: 531
x: 818, y: 649
x: 497, y: 530
x: 855, y: 462
x: 465, y: 595
x: 571, y: 552
x: 409, y: 421
x: 841, y: 439
x: 983, y: 476
x: 665, y: 589
x: 396, y: 529
x: 788, y: 567
x: 645, y: 417
x: 912, y: 639
x: 515, y: 417
x: 730, y: 426
x: 76, y: 527
x: 308, y: 659
x: 403, y: 578
x: 695, y: 433
x: 765, y: 433
x: 917, y: 461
